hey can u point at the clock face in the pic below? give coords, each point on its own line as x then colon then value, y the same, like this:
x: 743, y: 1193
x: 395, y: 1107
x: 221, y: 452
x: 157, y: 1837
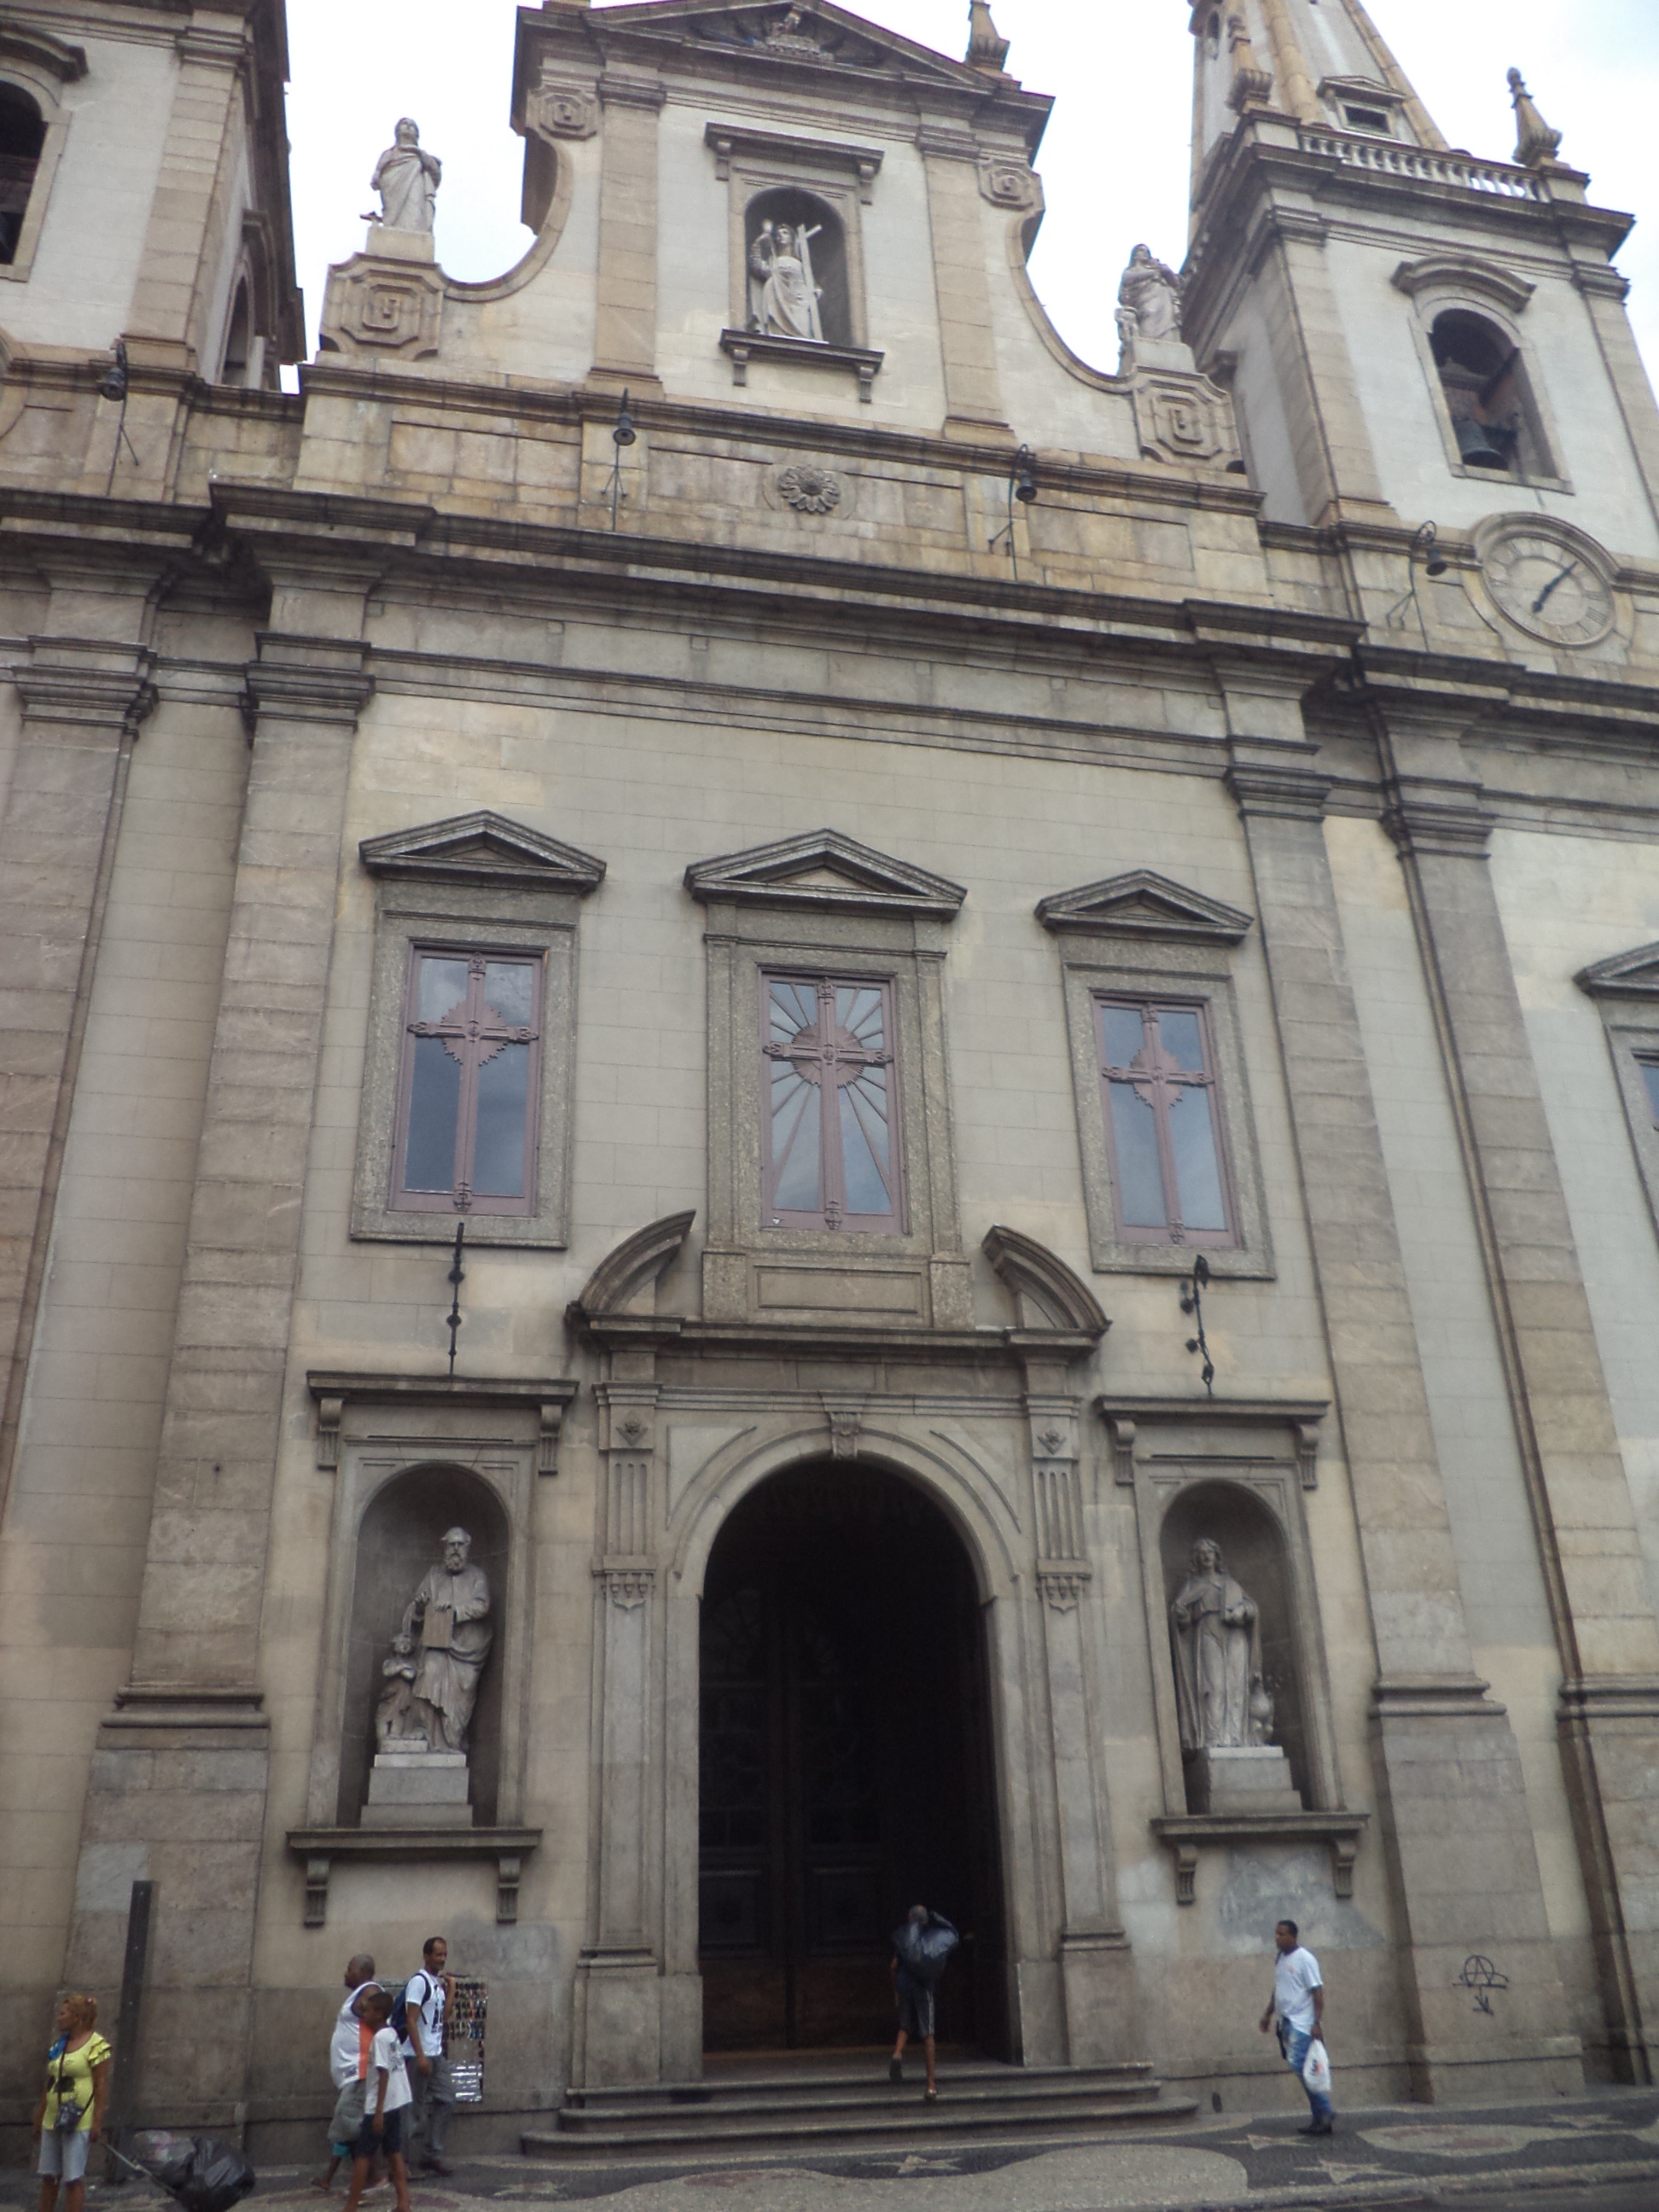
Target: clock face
x: 1547, y: 585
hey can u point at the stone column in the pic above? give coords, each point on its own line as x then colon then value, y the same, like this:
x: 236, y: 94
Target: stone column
x: 177, y: 1793
x: 1452, y: 1806
x: 191, y: 206
x: 1582, y: 1511
x: 973, y: 387
x: 619, y: 1993
x: 625, y: 339
x: 83, y: 702
x: 1095, y: 1968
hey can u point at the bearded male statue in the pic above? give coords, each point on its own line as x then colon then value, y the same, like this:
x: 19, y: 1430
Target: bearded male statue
x: 448, y: 1620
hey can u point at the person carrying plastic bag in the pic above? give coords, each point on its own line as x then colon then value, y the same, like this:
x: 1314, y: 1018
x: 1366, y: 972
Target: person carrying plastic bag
x: 921, y: 1947
x: 1298, y: 1999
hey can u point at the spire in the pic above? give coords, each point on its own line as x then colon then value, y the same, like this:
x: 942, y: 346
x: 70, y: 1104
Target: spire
x: 1535, y: 142
x: 1352, y: 48
x: 986, y: 49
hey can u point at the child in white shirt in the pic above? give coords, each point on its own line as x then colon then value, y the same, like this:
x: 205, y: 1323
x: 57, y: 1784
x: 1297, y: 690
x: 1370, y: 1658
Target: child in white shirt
x: 387, y: 2097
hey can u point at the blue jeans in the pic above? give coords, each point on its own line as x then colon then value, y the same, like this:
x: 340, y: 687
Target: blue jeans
x: 1296, y: 2040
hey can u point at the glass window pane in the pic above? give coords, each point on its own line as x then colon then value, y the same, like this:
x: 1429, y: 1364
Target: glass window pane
x: 795, y: 1141
x: 1182, y: 1034
x: 792, y: 1007
x: 442, y: 989
x: 435, y: 1112
x: 1650, y: 1077
x: 499, y: 1148
x: 1125, y: 1033
x: 1197, y: 1160
x: 864, y: 1143
x: 1141, y: 1184
x: 509, y: 993
x: 861, y: 1013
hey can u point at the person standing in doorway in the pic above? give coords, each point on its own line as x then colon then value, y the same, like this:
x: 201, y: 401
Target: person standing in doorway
x: 920, y: 1948
x: 69, y: 2116
x: 1298, y: 1999
x: 426, y: 2000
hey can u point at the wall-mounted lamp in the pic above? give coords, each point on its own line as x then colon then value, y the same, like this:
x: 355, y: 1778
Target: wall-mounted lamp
x: 112, y: 384
x: 1022, y: 487
x: 622, y: 434
x: 1434, y: 563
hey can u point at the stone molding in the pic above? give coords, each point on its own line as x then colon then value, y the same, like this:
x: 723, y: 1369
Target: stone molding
x: 1188, y: 1833
x: 1008, y: 180
x: 1464, y: 274
x: 1302, y: 1417
x: 1047, y: 1294
x: 563, y: 106
x: 24, y: 43
x: 634, y: 1266
x: 1423, y: 817
x: 778, y: 149
x: 483, y: 848
x: 551, y: 1395
x: 80, y: 684
x: 623, y: 88
x: 793, y: 873
x: 742, y: 347
x: 1286, y: 793
x: 1142, y: 904
x: 385, y: 305
x: 1626, y: 976
x: 1182, y: 417
x: 319, y: 1847
x: 298, y: 690
x: 1600, y: 283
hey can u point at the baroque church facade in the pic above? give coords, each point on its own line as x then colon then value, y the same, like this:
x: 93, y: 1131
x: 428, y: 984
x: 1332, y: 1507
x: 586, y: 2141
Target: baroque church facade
x: 963, y: 1051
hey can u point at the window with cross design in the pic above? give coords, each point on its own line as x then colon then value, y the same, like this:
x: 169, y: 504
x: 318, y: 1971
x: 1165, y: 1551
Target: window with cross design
x: 470, y: 1083
x: 1168, y: 1164
x: 829, y: 1081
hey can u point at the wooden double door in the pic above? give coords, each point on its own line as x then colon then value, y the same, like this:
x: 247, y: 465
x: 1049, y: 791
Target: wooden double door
x: 845, y: 1765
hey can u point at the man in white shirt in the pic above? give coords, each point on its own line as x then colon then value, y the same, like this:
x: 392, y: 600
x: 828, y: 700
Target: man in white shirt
x: 426, y: 2000
x: 1298, y: 1999
x: 348, y: 2049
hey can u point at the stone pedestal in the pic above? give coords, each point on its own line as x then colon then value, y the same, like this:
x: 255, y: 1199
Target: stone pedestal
x: 411, y: 1786
x: 385, y: 244
x: 1156, y: 353
x: 1252, y: 1778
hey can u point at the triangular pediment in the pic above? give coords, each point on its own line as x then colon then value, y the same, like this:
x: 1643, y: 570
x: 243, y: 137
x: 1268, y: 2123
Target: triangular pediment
x: 824, y: 870
x: 1145, y: 905
x: 1626, y: 976
x: 818, y: 35
x: 483, y: 848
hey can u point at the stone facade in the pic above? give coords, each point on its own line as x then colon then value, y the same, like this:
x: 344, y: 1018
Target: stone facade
x: 883, y: 721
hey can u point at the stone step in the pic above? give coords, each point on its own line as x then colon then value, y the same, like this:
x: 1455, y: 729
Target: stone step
x: 839, y: 2111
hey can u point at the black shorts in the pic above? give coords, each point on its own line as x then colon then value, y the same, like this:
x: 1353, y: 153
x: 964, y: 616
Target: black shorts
x: 915, y: 2011
x: 390, y: 2140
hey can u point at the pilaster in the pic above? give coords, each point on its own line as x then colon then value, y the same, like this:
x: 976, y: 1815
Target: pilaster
x: 1452, y: 1797
x: 178, y: 1785
x: 1582, y: 1511
x: 973, y: 388
x: 625, y: 341
x: 1604, y: 292
x: 83, y: 702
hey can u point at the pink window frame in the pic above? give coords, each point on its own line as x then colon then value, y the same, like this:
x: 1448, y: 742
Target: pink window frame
x: 830, y: 1216
x: 405, y: 1200
x: 1174, y: 1233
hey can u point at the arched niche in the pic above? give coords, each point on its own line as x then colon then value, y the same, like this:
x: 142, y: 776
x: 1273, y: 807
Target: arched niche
x: 239, y: 337
x: 397, y: 1539
x: 805, y: 212
x: 1256, y: 1556
x: 22, y: 139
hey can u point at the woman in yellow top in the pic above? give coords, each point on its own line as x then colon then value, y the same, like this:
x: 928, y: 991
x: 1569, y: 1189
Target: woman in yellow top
x: 71, y: 2113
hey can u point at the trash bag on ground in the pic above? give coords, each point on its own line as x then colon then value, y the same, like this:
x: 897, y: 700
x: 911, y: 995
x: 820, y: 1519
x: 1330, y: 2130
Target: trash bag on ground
x: 201, y: 2175
x: 925, y: 1950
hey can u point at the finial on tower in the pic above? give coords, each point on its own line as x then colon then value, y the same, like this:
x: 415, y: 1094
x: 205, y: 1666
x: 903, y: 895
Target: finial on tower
x: 1537, y: 144
x: 986, y: 48
x: 1251, y: 85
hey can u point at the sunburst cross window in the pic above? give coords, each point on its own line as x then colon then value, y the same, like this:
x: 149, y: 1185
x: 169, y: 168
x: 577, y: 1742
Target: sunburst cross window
x: 829, y: 1081
x: 471, y: 1077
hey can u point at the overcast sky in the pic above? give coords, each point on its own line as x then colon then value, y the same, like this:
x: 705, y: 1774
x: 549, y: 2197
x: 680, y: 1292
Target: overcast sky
x: 1114, y: 164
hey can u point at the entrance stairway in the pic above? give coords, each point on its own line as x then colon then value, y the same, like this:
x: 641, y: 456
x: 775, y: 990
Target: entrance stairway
x: 850, y: 2106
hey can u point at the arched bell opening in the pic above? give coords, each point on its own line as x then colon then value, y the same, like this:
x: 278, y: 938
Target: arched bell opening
x: 1484, y: 378
x: 398, y: 1539
x: 239, y: 337
x: 787, y: 223
x: 1254, y: 1555
x: 844, y: 1764
x: 22, y: 135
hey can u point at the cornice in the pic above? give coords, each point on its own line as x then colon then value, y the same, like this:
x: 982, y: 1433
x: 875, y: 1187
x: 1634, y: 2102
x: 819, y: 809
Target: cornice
x: 310, y: 679
x: 83, y: 684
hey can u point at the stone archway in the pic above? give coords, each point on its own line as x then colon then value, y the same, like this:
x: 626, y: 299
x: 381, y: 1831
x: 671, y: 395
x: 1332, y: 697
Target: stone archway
x: 845, y: 1763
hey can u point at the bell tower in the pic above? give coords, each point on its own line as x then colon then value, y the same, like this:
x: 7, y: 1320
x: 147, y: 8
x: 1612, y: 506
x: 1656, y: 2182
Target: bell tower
x: 1410, y: 331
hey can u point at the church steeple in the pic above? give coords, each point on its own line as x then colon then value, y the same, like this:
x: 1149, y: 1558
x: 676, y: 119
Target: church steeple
x: 1329, y: 67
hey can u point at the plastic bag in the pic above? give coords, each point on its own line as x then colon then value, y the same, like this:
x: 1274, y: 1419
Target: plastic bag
x: 202, y: 2175
x: 926, y: 1947
x: 1316, y: 2068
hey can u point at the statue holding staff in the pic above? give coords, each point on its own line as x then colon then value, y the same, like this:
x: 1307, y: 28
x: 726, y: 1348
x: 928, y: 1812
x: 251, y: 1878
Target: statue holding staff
x: 783, y: 298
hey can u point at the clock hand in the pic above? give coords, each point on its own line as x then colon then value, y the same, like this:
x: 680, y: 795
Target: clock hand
x: 1560, y: 578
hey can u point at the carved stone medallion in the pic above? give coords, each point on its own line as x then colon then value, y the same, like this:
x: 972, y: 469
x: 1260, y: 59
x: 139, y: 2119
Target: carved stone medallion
x: 810, y: 489
x: 563, y: 108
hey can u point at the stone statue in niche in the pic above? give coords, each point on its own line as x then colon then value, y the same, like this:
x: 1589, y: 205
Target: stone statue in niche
x: 396, y: 1721
x: 1217, y: 1654
x: 407, y: 178
x: 1148, y: 301
x: 783, y: 299
x: 450, y: 1612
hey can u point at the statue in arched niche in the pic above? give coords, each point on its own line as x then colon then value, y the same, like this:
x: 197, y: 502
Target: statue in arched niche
x: 783, y: 297
x: 1216, y: 1636
x: 444, y: 1637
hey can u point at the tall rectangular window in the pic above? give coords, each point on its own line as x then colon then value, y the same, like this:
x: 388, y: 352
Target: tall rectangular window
x: 1650, y: 1068
x: 469, y: 1097
x: 830, y: 1087
x: 1162, y: 1130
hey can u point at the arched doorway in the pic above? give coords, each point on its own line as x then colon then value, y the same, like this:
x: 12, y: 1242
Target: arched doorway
x: 844, y: 1764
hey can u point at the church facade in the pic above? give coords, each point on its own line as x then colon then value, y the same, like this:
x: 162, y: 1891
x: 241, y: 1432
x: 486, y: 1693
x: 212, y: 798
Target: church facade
x: 804, y: 1109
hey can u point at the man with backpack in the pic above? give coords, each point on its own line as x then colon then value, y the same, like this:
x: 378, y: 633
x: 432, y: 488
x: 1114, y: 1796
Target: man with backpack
x: 418, y: 2016
x: 920, y: 1948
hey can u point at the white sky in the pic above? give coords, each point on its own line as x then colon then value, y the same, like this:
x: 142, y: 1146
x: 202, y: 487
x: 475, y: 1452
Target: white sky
x: 1114, y: 164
